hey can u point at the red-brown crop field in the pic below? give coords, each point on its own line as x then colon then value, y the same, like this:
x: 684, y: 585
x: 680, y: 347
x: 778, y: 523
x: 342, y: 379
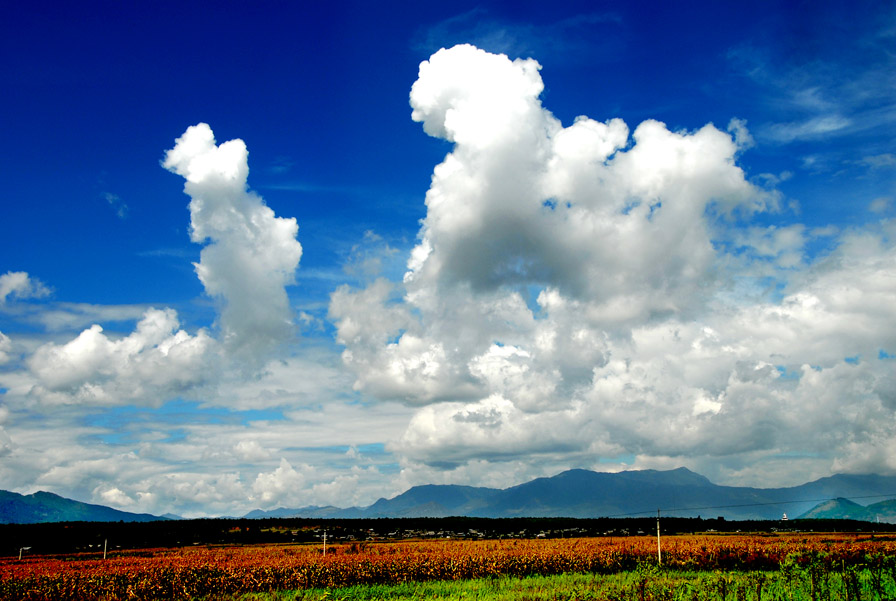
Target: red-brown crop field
x: 193, y: 572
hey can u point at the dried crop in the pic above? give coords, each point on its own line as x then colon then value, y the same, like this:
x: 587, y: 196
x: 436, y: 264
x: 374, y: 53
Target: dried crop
x: 196, y: 572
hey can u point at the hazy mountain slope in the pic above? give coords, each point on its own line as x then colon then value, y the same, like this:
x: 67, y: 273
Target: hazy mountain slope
x: 42, y: 507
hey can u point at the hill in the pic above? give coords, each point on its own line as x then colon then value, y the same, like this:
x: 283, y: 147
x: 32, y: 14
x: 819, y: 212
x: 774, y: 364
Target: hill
x: 844, y: 509
x: 44, y: 507
x: 839, y: 509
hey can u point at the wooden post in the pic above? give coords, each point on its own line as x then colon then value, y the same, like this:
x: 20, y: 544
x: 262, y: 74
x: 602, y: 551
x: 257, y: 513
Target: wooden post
x: 659, y: 549
x: 105, y: 546
x: 325, y: 543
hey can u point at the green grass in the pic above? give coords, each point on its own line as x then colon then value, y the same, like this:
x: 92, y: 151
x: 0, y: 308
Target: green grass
x: 645, y: 584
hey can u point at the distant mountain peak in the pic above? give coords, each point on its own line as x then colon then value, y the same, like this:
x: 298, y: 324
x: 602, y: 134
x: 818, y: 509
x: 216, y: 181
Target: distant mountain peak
x: 43, y: 507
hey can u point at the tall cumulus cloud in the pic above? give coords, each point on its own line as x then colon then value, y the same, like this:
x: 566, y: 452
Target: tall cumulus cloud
x: 251, y: 254
x: 589, y: 292
x: 249, y: 258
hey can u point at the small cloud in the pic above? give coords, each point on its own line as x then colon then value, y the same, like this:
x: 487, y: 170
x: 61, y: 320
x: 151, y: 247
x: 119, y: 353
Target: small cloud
x: 825, y: 232
x: 880, y: 205
x: 5, y: 353
x: 19, y: 285
x: 738, y: 128
x: 279, y: 486
x: 309, y: 322
x: 813, y: 128
x: 116, y: 496
x: 118, y: 205
x: 782, y: 245
x: 810, y: 161
x: 74, y: 316
x: 177, y: 253
x: 369, y: 258
x: 880, y: 161
x: 250, y: 450
x: 811, y: 99
x: 5, y: 443
x: 585, y: 36
x: 770, y: 180
x: 281, y: 165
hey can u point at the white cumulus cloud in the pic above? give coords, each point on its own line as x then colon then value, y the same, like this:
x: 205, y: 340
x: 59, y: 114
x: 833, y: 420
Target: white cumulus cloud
x: 151, y: 365
x: 280, y: 487
x: 249, y: 258
x: 251, y: 255
x: 579, y: 292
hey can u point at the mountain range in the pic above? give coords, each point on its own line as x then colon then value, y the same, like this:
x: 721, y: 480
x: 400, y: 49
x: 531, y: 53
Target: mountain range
x: 586, y: 494
x: 574, y: 493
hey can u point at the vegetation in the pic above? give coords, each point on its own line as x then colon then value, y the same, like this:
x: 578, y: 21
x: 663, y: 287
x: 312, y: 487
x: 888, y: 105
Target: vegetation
x: 694, y: 567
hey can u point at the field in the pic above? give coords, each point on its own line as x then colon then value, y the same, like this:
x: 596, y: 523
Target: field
x: 740, y: 567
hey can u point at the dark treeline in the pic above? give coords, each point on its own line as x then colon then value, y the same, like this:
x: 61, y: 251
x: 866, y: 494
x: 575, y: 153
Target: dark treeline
x: 80, y: 537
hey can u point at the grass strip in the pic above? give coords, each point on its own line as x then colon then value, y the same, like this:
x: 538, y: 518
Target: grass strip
x: 644, y: 584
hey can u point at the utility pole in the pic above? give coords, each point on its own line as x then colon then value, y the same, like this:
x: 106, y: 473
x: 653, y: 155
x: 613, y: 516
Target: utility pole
x: 659, y: 549
x: 325, y: 543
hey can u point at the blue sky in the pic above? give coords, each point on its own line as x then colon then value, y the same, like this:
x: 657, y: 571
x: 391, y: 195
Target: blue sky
x: 474, y: 243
